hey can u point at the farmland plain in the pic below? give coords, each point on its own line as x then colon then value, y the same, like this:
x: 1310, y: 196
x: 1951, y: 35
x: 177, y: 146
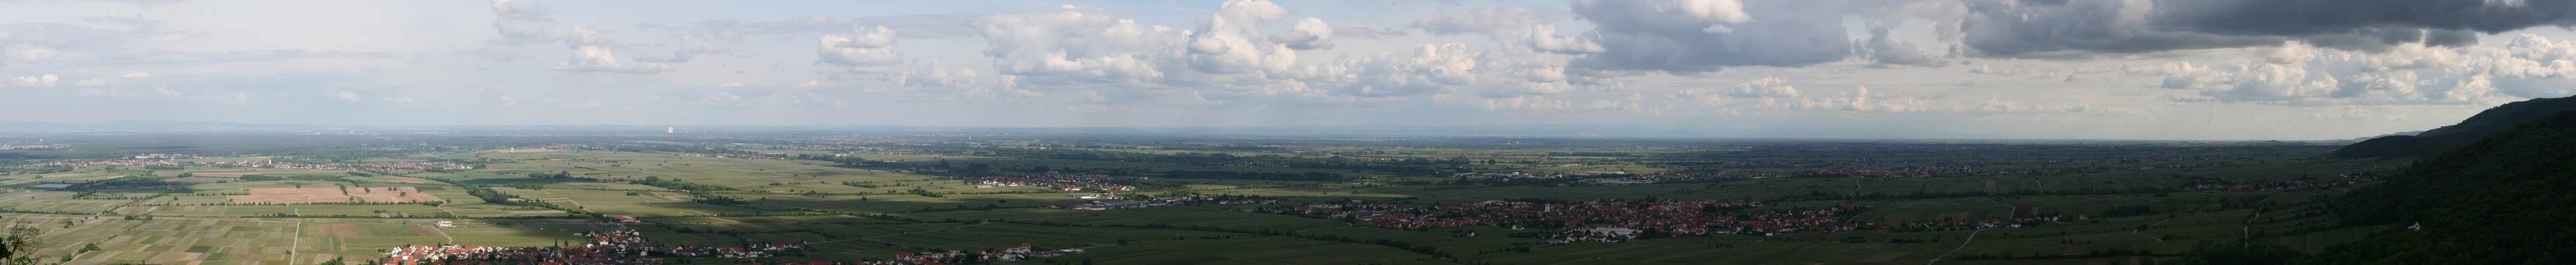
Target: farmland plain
x: 872, y: 197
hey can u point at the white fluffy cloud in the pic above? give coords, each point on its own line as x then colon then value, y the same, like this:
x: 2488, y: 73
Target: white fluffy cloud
x: 1513, y: 25
x: 2530, y: 66
x: 1309, y: 34
x: 600, y: 59
x: 871, y: 49
x: 1077, y: 44
x: 35, y: 81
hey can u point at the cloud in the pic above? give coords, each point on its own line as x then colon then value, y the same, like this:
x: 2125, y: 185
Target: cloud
x: 1487, y: 21
x: 36, y: 81
x: 1429, y: 68
x: 937, y: 76
x: 1512, y: 25
x: 2529, y: 66
x: 2430, y: 22
x: 1544, y: 38
x: 1252, y: 12
x: 600, y: 59
x: 1308, y: 34
x: 815, y: 20
x: 521, y: 21
x: 1364, y: 33
x: 1883, y: 52
x: 92, y: 82
x: 1767, y: 87
x: 1221, y: 47
x: 34, y: 54
x: 591, y: 50
x: 870, y: 49
x: 1675, y: 35
x: 2077, y: 28
x: 1076, y: 44
x: 345, y: 95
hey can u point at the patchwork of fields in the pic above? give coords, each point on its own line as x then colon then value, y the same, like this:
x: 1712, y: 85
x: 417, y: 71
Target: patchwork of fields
x: 532, y: 197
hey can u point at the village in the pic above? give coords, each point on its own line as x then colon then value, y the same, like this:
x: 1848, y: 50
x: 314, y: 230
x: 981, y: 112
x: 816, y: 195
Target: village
x: 1599, y: 220
x: 614, y: 247
x: 2341, y: 179
x: 266, y: 164
x: 1064, y: 181
x: 1107, y: 201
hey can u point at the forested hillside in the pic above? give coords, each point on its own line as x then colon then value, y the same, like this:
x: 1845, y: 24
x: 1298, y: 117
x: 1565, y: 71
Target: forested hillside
x: 2435, y: 141
x: 2498, y: 200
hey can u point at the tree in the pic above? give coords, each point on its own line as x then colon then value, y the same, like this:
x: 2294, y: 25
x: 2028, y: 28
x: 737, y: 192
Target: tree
x: 19, y: 247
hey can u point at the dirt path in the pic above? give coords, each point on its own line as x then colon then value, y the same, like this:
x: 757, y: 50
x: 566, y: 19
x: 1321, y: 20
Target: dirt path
x: 1963, y: 244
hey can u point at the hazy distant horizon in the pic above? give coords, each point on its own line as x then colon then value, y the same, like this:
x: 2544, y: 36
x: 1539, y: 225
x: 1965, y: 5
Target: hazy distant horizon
x: 1636, y: 131
x: 2186, y: 70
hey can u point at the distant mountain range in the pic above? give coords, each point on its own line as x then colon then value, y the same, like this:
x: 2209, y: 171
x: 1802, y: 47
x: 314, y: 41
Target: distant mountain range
x: 1559, y: 130
x: 2432, y: 142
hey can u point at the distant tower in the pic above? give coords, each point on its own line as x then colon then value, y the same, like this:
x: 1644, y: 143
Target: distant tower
x: 670, y: 129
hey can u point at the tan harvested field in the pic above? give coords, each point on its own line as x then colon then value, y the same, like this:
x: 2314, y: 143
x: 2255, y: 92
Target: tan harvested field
x: 519, y: 151
x: 320, y: 195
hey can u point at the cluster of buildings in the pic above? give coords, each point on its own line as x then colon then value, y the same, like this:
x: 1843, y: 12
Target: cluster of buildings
x: 732, y: 156
x: 615, y: 247
x: 962, y: 257
x: 1497, y: 175
x: 1064, y: 181
x: 1947, y: 166
x: 1247, y: 164
x: 2146, y: 159
x: 1647, y: 179
x: 119, y: 162
x: 32, y: 147
x: 166, y: 156
x: 1974, y: 224
x: 1598, y: 220
x: 1113, y: 203
x: 267, y: 164
x: 2345, y: 178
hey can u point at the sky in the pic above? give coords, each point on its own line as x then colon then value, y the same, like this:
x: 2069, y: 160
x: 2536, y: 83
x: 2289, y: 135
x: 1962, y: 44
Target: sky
x: 2108, y: 69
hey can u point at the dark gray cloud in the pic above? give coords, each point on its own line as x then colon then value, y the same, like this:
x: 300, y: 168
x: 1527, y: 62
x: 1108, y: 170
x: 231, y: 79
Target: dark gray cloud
x: 1884, y: 52
x: 2073, y: 27
x: 2332, y: 17
x: 1655, y: 35
x: 2079, y: 28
